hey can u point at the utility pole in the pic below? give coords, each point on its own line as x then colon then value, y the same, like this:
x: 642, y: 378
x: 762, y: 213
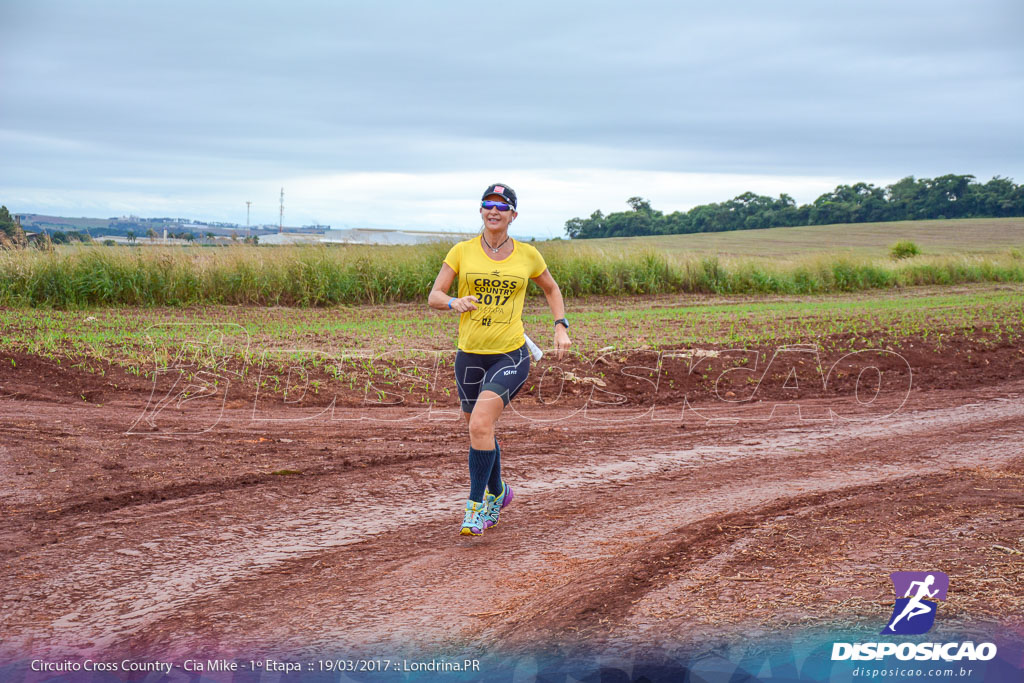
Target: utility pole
x: 280, y: 220
x: 248, y: 205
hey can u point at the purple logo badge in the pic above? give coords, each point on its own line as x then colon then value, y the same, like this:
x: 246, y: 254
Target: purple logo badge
x: 916, y: 593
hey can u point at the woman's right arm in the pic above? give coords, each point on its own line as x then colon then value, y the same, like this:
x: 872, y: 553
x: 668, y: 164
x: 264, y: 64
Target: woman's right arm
x: 439, y: 298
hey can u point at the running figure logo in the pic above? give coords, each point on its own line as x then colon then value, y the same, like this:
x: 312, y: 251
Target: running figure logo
x: 914, y: 613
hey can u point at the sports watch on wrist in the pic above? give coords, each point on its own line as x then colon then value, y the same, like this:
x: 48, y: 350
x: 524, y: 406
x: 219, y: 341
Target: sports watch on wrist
x: 562, y: 321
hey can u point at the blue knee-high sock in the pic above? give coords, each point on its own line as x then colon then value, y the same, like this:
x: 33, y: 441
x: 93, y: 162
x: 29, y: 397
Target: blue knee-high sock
x: 480, y: 463
x: 494, y: 481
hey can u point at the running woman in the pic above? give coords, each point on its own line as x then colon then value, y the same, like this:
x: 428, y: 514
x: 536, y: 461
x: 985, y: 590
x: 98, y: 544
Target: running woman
x: 492, y: 362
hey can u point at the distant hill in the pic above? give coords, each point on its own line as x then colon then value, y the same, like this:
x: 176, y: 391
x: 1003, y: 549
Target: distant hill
x: 119, y: 228
x: 120, y: 225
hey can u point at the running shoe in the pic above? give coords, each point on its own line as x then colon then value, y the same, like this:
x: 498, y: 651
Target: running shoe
x: 493, y: 505
x: 473, y: 522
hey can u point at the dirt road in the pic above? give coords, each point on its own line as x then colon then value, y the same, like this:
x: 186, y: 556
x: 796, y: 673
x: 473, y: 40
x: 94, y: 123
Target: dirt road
x: 627, y: 532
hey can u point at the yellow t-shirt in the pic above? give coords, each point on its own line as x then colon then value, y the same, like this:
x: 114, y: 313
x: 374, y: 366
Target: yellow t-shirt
x: 496, y: 326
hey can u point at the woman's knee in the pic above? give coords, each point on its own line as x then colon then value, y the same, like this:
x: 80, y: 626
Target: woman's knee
x: 480, y: 424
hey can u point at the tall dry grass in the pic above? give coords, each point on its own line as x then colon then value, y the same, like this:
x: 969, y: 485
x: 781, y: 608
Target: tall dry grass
x: 305, y: 275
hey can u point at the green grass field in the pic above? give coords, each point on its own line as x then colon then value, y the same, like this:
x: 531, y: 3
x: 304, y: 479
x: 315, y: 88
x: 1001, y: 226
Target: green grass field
x: 141, y: 339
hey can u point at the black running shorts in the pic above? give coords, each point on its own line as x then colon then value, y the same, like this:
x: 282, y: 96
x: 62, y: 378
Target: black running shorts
x: 502, y: 373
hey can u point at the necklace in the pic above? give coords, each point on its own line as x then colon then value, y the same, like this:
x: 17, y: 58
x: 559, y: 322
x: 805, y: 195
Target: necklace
x: 495, y: 249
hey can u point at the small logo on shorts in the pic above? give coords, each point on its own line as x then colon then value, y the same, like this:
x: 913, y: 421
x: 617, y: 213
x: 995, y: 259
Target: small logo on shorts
x: 509, y: 372
x: 914, y: 613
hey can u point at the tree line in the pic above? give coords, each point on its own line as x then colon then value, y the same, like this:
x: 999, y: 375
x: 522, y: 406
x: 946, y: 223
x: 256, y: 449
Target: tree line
x: 948, y: 196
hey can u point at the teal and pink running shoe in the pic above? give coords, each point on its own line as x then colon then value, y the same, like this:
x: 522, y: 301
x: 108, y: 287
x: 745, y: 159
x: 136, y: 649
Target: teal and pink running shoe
x: 473, y: 522
x: 493, y: 505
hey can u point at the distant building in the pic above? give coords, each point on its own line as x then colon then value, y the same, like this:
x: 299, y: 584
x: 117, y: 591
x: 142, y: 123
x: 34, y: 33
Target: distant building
x: 375, y: 236
x: 363, y: 236
x: 279, y: 238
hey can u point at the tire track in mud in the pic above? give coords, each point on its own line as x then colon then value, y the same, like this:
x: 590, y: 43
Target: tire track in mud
x: 239, y: 431
x: 140, y: 572
x: 610, y: 589
x: 582, y: 577
x: 826, y: 562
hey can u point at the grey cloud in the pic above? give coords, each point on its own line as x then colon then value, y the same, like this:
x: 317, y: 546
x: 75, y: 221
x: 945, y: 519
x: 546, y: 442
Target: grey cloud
x: 252, y: 90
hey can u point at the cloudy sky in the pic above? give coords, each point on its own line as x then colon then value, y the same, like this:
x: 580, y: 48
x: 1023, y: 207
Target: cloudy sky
x: 397, y: 114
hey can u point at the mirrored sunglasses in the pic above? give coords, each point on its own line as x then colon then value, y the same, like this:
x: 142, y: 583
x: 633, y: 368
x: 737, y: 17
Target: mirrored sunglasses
x: 500, y: 206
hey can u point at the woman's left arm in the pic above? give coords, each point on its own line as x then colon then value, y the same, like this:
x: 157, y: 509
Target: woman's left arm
x: 557, y: 305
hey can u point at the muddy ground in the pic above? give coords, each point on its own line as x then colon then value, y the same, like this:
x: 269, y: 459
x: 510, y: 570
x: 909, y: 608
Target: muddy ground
x: 234, y: 523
